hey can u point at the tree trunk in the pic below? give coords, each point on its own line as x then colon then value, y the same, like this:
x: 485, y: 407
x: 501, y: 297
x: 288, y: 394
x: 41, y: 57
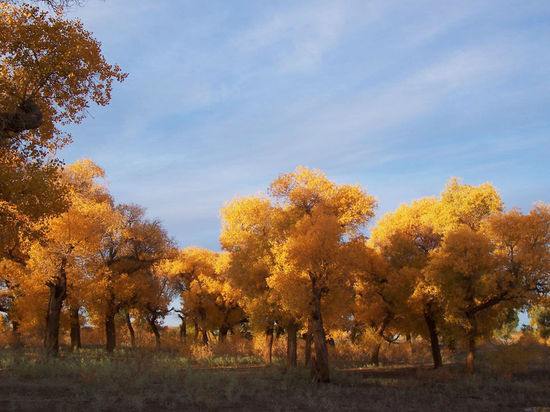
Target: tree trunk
x: 196, y: 330
x: 375, y: 357
x: 223, y: 333
x: 110, y: 330
x: 308, y: 337
x: 154, y: 328
x: 355, y: 332
x: 58, y: 293
x: 75, y: 328
x: 15, y: 335
x: 472, y: 332
x: 131, y: 330
x: 434, y: 339
x: 291, y: 345
x: 409, y: 341
x: 319, y: 361
x: 204, y: 337
x: 269, y: 332
x: 183, y: 328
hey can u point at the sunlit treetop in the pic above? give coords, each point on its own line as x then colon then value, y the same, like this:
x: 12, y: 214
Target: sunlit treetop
x: 424, y: 221
x: 306, y: 189
x: 463, y: 204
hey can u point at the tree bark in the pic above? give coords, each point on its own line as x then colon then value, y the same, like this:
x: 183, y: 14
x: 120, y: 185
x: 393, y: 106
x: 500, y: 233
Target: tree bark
x: 154, y: 328
x: 472, y: 333
x: 434, y: 339
x: 204, y: 337
x: 110, y: 329
x: 15, y: 335
x: 131, y: 330
x: 319, y: 361
x: 196, y: 330
x: 375, y: 357
x: 223, y: 333
x: 355, y: 332
x: 408, y: 339
x: 58, y: 293
x: 75, y: 328
x: 308, y: 338
x: 291, y: 345
x: 183, y: 328
x: 269, y: 335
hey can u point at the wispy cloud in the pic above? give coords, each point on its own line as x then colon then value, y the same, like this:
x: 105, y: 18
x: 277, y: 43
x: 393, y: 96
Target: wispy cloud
x: 222, y: 97
x: 296, y: 38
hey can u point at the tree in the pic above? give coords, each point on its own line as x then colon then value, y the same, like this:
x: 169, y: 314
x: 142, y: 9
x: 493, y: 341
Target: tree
x: 504, y: 265
x: 154, y: 294
x: 30, y: 192
x: 540, y: 320
x: 128, y: 254
x: 381, y: 295
x: 321, y: 218
x: 12, y: 275
x: 206, y: 295
x: 405, y: 239
x: 71, y: 241
x: 250, y: 226
x: 51, y: 69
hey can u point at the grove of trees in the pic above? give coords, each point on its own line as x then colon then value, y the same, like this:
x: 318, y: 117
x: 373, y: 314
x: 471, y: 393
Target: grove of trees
x: 304, y: 259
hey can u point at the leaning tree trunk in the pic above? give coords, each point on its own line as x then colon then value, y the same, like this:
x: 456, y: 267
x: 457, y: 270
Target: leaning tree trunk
x: 319, y: 361
x: 75, y: 328
x: 110, y: 327
x: 131, y: 330
x: 375, y: 357
x: 291, y: 345
x: 434, y: 339
x: 155, y: 329
x: 204, y: 337
x: 58, y: 293
x: 472, y: 332
x: 269, y: 335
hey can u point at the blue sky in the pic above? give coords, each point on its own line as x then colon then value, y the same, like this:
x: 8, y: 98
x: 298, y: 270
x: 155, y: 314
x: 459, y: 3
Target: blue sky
x: 398, y: 96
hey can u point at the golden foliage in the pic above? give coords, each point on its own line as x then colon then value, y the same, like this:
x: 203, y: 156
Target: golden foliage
x: 53, y: 63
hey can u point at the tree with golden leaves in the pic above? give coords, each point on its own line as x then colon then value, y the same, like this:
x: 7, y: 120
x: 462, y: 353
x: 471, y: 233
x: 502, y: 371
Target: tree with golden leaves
x: 129, y: 253
x: 483, y: 273
x: 207, y: 297
x: 51, y: 69
x: 381, y: 294
x: 250, y: 226
x: 407, y: 237
x: 320, y: 218
x: 71, y: 242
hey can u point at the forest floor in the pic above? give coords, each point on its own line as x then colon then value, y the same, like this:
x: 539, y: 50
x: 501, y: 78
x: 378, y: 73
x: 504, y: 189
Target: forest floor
x: 90, y: 380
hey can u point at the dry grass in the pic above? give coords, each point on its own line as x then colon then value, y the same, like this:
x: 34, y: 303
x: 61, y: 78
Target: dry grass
x: 144, y: 380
